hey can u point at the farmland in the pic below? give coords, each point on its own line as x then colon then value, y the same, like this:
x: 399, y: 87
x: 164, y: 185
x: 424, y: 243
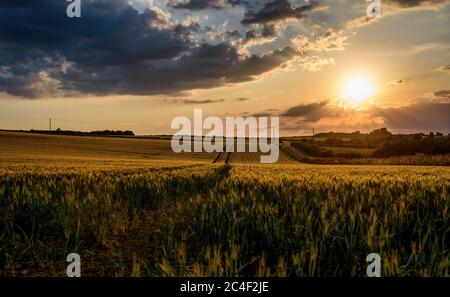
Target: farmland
x: 22, y: 148
x: 130, y: 207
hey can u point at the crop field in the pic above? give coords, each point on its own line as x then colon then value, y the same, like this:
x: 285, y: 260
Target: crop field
x: 254, y: 158
x: 318, y: 221
x: 22, y: 148
x: 158, y: 214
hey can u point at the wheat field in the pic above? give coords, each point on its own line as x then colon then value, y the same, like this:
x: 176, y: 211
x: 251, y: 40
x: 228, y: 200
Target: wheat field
x: 157, y: 214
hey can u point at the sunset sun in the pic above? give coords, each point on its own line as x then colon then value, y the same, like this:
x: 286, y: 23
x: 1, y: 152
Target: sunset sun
x: 357, y: 90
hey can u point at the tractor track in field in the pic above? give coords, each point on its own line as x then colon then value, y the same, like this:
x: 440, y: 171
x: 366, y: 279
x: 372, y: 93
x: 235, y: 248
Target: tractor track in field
x: 141, y: 242
x: 222, y: 157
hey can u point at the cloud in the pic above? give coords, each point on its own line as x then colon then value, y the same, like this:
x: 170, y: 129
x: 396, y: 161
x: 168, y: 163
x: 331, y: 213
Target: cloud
x: 204, y: 101
x: 417, y: 3
x: 419, y: 76
x: 428, y: 46
x: 419, y: 116
x: 263, y: 114
x: 431, y: 114
x: 314, y: 63
x: 313, y: 112
x: 443, y: 68
x: 390, y: 7
x: 109, y: 34
x: 278, y: 10
x: 330, y: 40
x: 195, y: 101
x: 233, y: 34
x: 242, y: 99
x: 114, y: 49
x: 268, y: 33
x: 198, y: 4
x: 442, y: 94
x: 360, y: 21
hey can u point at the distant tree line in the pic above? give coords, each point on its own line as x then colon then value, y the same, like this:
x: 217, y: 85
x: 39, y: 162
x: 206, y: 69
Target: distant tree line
x: 404, y: 145
x: 382, y: 140
x: 356, y: 139
x: 81, y: 133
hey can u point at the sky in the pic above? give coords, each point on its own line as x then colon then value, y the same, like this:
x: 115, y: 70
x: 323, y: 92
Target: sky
x: 136, y: 65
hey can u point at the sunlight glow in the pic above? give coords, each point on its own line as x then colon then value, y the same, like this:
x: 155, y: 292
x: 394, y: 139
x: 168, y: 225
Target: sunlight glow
x: 358, y: 91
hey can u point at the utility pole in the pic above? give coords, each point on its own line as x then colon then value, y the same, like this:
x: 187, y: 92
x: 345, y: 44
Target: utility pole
x: 50, y: 125
x: 313, y: 132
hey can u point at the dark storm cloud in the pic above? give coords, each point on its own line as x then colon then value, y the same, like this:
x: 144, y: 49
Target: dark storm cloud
x: 208, y: 4
x: 37, y: 37
x: 113, y: 49
x: 313, y: 112
x: 423, y: 116
x: 199, y: 4
x: 278, y: 10
x: 109, y: 32
x: 207, y: 66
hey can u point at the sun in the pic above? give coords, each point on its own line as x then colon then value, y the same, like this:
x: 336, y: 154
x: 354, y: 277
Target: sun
x: 358, y: 90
